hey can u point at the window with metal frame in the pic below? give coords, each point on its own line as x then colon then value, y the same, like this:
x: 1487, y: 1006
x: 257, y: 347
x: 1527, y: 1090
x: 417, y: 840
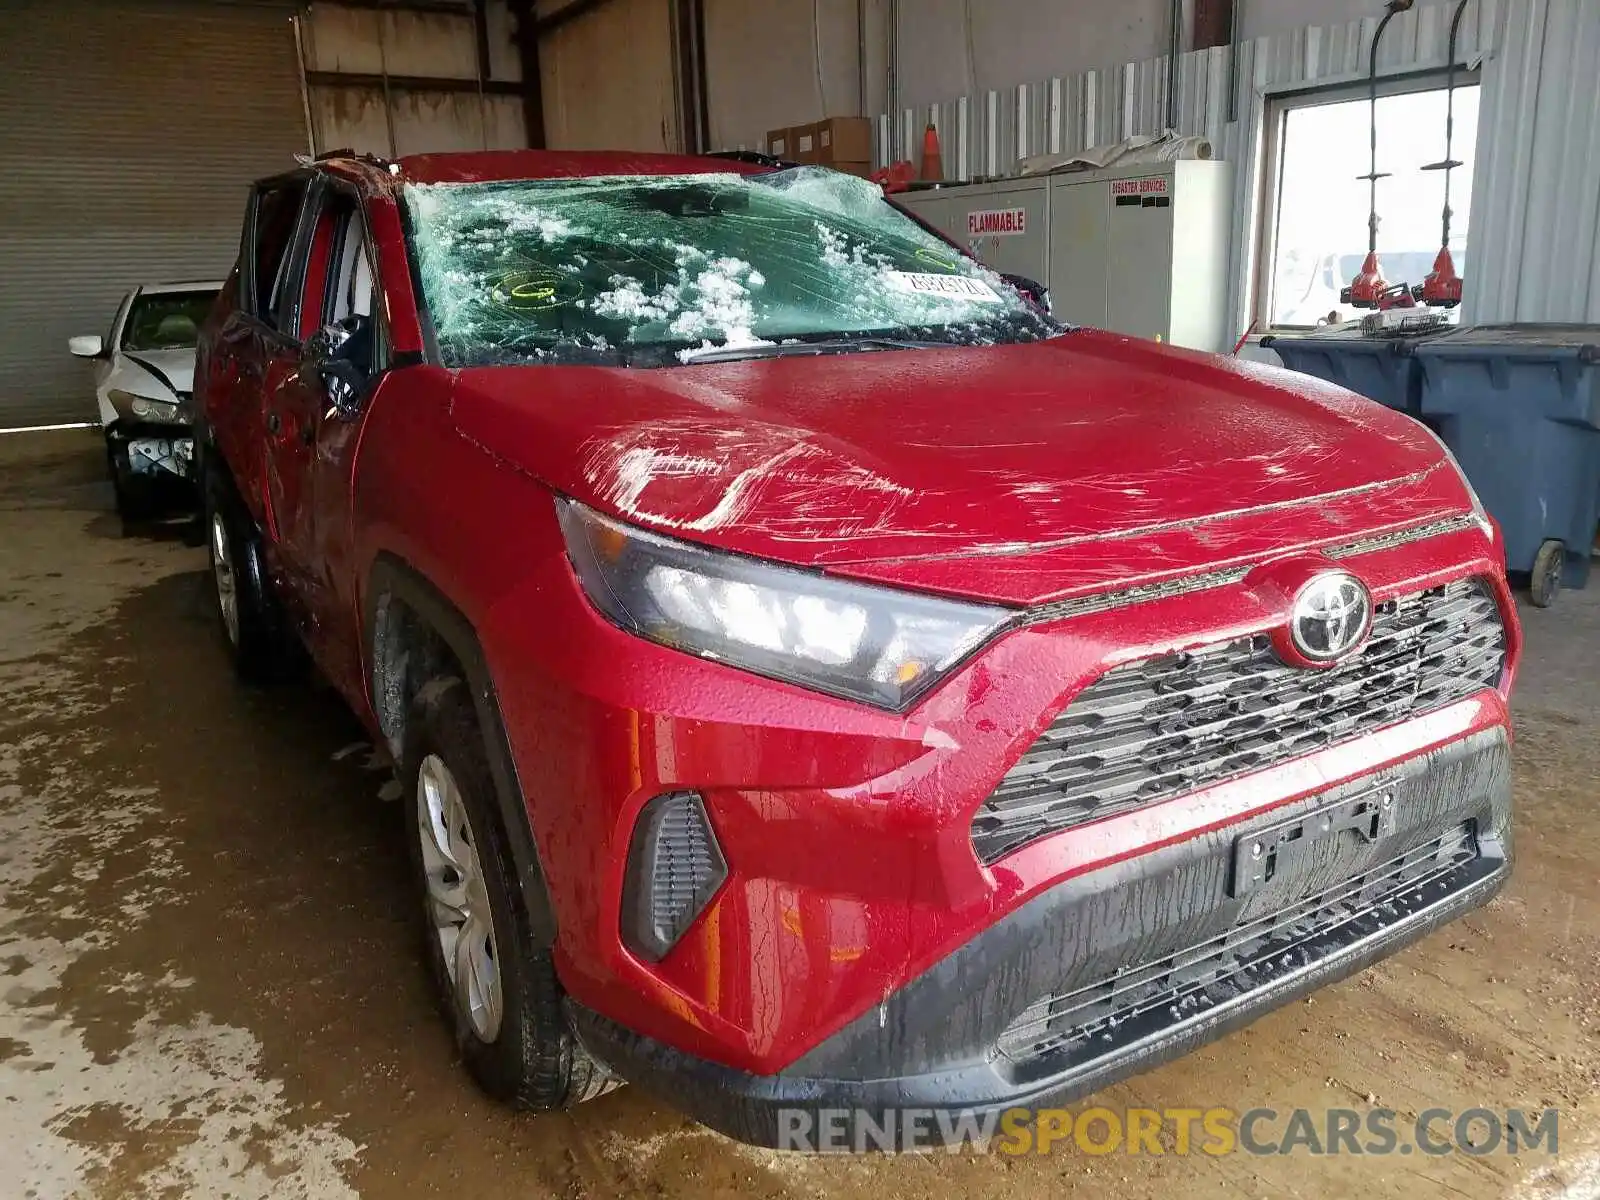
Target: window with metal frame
x: 1313, y: 235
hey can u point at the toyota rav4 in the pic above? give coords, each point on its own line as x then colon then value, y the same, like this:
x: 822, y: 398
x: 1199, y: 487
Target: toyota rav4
x: 818, y: 678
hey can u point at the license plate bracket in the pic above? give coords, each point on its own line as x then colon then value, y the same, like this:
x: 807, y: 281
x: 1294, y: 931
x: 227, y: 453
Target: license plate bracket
x: 1264, y: 854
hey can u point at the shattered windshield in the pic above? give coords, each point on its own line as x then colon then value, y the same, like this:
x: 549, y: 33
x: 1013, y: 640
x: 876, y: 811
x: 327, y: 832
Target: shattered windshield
x: 648, y: 270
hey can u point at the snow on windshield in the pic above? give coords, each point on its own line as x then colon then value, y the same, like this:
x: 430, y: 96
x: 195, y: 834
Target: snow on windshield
x: 592, y: 269
x: 710, y: 297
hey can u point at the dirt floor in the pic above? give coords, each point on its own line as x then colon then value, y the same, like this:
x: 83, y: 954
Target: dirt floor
x: 208, y: 983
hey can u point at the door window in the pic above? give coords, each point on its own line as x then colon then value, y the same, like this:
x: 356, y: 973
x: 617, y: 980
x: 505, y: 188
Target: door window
x: 277, y: 211
x: 338, y: 278
x: 320, y: 255
x: 350, y: 294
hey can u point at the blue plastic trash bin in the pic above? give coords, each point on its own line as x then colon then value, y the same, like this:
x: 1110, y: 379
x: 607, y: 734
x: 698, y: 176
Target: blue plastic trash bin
x: 1520, y: 407
x: 1380, y: 368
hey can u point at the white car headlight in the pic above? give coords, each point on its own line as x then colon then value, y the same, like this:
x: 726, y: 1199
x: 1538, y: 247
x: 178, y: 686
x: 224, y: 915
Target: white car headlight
x: 142, y: 408
x: 877, y: 645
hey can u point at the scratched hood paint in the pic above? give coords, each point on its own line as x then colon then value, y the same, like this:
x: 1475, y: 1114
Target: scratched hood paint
x: 1016, y: 472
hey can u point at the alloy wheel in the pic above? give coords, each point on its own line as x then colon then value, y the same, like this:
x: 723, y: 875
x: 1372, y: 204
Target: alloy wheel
x: 227, y: 581
x: 458, y: 899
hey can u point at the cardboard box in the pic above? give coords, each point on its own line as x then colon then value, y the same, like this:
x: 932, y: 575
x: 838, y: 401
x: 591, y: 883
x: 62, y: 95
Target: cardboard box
x: 863, y: 169
x: 843, y: 140
x: 835, y: 142
x: 803, y: 144
x: 798, y: 143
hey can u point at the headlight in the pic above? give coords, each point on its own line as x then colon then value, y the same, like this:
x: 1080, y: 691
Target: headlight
x: 877, y: 645
x: 142, y: 408
x: 1479, y: 513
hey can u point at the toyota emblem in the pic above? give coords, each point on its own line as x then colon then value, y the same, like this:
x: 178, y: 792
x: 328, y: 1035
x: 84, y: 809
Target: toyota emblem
x: 1331, y: 617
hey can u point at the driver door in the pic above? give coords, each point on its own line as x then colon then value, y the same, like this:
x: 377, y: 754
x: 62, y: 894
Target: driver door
x: 291, y: 401
x: 316, y: 440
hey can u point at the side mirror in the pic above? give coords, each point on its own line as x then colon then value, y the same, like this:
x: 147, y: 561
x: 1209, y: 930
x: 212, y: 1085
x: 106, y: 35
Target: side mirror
x: 345, y: 384
x: 329, y: 357
x: 1032, y: 290
x: 86, y: 345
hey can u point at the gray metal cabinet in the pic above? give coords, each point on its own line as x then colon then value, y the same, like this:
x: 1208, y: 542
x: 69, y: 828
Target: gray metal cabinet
x: 1080, y: 242
x: 1138, y: 250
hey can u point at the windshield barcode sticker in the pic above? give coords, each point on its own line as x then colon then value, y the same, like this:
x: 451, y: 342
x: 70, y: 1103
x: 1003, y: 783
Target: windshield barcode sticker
x: 956, y: 287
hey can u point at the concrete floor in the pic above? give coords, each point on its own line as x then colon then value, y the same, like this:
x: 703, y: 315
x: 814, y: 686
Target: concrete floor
x: 208, y: 983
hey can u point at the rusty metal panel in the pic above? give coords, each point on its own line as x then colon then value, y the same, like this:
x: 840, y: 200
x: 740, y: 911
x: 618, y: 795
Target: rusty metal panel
x: 415, y: 122
x: 428, y: 43
x: 607, y: 79
x: 385, y: 44
x: 132, y: 131
x: 336, y: 38
x: 503, y: 125
x: 369, y: 41
x: 430, y: 122
x: 351, y: 118
x: 505, y: 60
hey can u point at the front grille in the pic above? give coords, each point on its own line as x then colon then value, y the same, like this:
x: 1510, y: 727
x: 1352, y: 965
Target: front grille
x: 1155, y: 729
x: 1091, y: 1021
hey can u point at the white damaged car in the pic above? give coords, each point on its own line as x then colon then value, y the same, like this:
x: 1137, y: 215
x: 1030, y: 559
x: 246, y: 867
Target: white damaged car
x: 144, y: 382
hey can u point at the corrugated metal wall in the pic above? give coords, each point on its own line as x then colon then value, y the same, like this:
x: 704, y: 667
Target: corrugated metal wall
x: 986, y: 132
x: 947, y: 46
x: 131, y: 131
x: 1536, y: 191
x: 413, y: 80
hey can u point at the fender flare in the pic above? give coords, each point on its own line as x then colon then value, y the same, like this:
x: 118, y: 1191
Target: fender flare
x: 393, y: 578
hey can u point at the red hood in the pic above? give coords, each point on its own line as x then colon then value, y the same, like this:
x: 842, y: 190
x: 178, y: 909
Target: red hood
x: 1020, y: 473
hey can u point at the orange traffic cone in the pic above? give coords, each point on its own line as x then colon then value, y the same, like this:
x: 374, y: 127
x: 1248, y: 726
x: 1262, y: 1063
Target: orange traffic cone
x: 932, y: 159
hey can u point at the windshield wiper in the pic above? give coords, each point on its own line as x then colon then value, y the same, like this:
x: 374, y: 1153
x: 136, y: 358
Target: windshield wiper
x: 844, y: 344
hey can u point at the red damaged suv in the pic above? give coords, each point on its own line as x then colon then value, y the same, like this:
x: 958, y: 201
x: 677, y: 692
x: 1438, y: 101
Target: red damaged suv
x: 821, y: 680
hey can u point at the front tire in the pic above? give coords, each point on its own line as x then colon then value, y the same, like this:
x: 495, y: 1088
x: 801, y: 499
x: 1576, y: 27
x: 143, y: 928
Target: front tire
x: 497, y: 987
x: 255, y: 630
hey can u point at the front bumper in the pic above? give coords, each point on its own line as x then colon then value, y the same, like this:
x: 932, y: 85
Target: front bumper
x: 151, y: 451
x: 1125, y: 967
x: 848, y: 836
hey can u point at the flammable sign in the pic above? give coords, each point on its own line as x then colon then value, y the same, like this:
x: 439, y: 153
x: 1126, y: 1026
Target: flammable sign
x: 997, y: 222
